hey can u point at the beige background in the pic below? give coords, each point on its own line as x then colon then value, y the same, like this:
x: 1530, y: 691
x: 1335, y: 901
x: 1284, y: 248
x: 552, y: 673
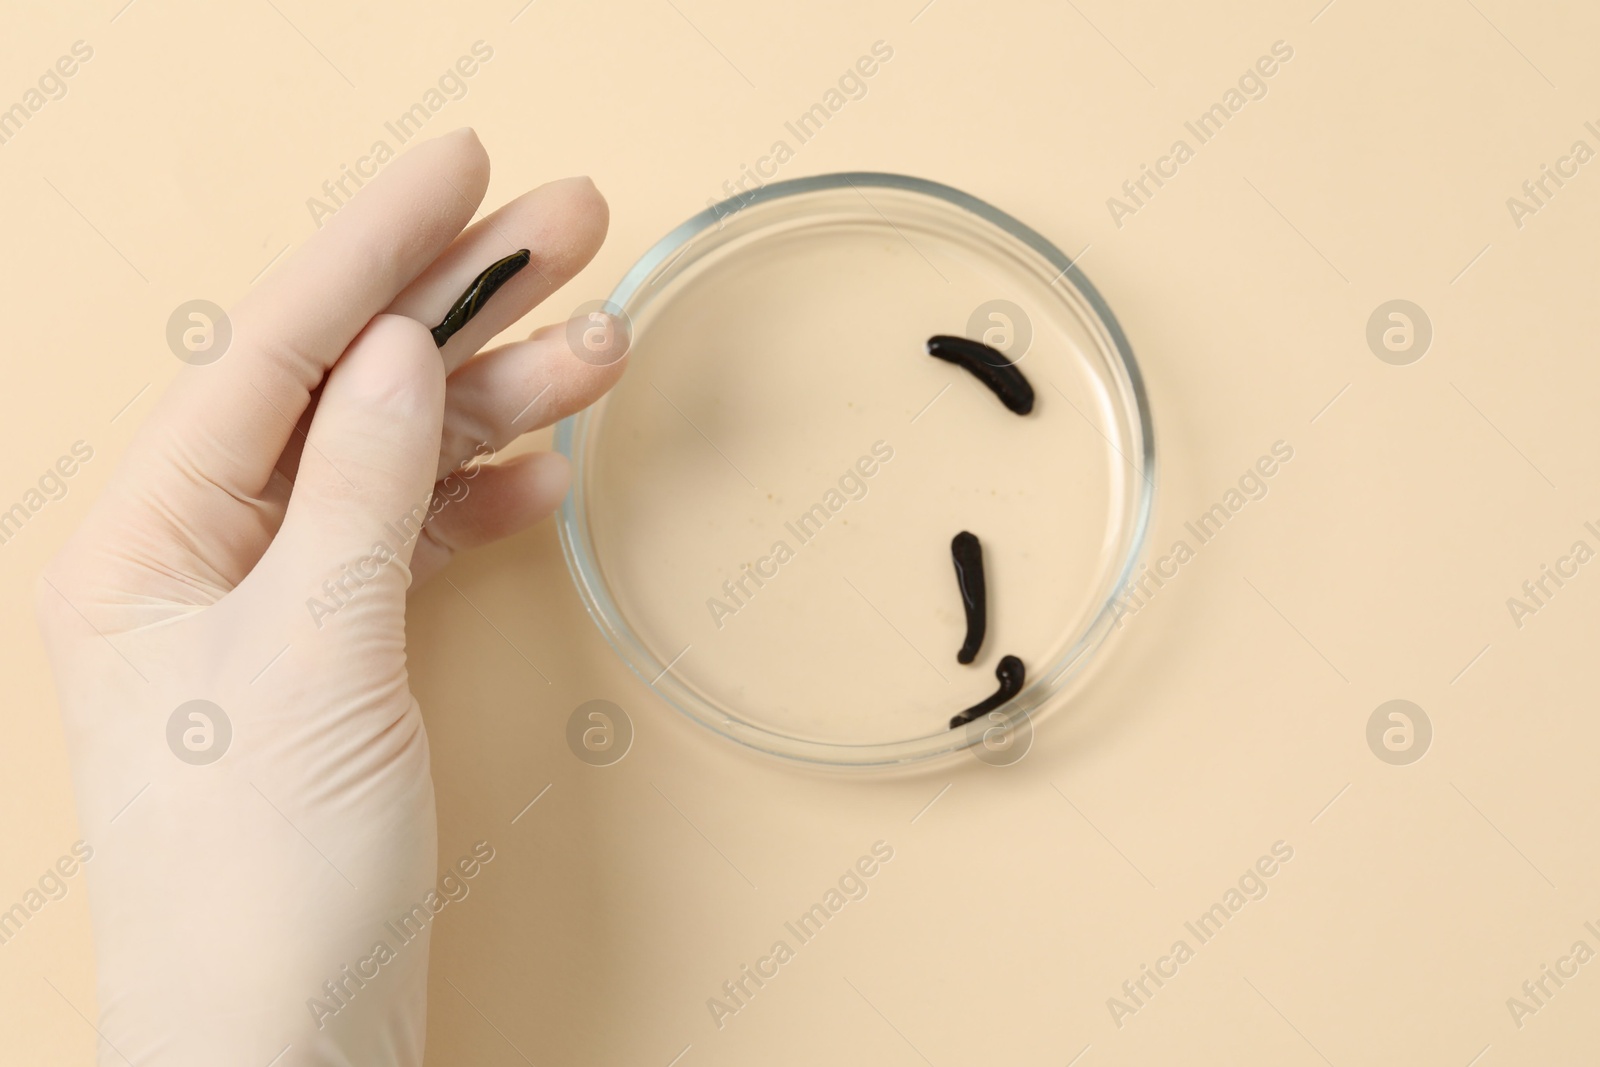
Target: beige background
x: 1227, y: 715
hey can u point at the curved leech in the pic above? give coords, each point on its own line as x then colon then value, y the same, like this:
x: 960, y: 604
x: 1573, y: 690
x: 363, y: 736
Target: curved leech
x: 478, y: 293
x: 967, y: 553
x: 1011, y: 674
x: 989, y: 365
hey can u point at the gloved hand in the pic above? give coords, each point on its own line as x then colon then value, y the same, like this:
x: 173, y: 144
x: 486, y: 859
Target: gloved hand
x: 230, y: 898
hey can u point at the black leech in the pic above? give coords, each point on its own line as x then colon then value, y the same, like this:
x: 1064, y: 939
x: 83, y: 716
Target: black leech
x: 1011, y: 674
x: 968, y: 556
x: 478, y: 294
x: 989, y: 365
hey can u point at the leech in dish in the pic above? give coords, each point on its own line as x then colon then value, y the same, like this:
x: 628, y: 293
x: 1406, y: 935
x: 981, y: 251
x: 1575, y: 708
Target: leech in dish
x: 989, y: 365
x: 1011, y: 674
x: 967, y: 553
x: 478, y: 293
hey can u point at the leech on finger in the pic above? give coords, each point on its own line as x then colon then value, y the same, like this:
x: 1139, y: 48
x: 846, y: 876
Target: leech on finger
x: 967, y: 553
x: 478, y: 293
x: 1011, y: 674
x: 989, y: 365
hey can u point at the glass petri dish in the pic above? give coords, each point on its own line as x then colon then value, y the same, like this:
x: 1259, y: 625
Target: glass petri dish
x: 762, y: 509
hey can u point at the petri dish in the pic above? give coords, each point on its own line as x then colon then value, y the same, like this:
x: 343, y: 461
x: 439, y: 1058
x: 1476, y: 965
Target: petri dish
x: 762, y: 509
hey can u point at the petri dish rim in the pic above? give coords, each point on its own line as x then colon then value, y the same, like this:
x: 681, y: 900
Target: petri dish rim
x: 578, y: 549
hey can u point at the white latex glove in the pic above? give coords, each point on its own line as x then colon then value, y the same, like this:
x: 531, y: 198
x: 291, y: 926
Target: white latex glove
x: 227, y: 895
